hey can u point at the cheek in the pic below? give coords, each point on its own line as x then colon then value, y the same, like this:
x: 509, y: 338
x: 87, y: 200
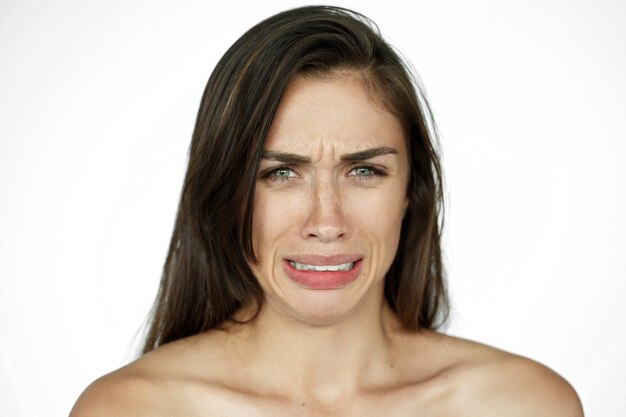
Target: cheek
x: 378, y: 218
x: 378, y: 210
x: 273, y: 217
x: 261, y: 224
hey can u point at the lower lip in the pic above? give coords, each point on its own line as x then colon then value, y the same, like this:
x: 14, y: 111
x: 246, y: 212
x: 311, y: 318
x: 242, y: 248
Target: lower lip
x: 322, y: 280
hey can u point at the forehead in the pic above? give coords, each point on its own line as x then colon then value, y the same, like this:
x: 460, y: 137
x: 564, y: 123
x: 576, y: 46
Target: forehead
x: 337, y: 111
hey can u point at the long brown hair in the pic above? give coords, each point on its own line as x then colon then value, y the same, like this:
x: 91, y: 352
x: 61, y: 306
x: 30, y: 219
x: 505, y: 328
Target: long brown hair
x: 206, y: 276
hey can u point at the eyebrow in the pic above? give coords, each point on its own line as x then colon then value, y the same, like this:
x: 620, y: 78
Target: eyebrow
x: 292, y: 158
x: 368, y: 154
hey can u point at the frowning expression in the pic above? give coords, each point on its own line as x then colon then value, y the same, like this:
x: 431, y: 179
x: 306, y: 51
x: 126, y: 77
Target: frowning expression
x: 329, y: 200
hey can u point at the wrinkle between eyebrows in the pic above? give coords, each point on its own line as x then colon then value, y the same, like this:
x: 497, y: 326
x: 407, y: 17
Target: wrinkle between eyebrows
x: 325, y: 145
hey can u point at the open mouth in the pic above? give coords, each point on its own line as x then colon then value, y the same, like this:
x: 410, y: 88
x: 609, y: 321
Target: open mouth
x: 305, y: 267
x: 322, y: 275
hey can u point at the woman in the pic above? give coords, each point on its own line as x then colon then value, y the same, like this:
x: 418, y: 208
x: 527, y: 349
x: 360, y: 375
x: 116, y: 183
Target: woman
x: 304, y: 274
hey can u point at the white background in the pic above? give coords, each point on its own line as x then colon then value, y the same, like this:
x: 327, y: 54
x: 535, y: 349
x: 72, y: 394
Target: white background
x: 97, y: 105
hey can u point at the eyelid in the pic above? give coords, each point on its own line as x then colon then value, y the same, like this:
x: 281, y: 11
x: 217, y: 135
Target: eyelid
x: 267, y: 173
x: 377, y: 169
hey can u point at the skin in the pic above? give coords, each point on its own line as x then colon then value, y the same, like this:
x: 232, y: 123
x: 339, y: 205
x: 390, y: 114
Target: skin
x: 338, y: 351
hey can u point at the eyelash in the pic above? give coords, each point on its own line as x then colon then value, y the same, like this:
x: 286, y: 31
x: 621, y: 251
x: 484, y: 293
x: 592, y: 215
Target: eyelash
x: 271, y: 177
x: 376, y: 171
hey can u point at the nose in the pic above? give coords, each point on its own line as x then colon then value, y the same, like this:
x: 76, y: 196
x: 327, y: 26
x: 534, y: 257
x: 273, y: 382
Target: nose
x: 325, y: 219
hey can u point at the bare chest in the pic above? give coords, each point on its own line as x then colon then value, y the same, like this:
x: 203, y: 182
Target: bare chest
x: 396, y: 403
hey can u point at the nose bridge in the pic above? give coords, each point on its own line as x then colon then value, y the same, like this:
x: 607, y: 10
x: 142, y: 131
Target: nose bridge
x: 326, y: 219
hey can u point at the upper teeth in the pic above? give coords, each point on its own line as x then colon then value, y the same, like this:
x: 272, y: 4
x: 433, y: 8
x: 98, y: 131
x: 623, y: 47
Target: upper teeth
x: 305, y: 267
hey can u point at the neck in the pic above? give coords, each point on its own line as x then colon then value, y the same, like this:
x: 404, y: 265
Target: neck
x: 322, y: 363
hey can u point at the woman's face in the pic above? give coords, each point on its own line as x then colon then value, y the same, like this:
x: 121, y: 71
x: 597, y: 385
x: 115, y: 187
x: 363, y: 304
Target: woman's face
x: 329, y: 201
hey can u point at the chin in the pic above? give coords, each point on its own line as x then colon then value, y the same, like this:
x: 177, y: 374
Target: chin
x: 321, y: 307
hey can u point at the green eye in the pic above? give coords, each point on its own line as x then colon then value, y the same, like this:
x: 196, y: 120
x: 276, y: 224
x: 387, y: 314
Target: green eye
x: 282, y: 173
x: 367, y: 172
x: 279, y: 174
x: 363, y: 171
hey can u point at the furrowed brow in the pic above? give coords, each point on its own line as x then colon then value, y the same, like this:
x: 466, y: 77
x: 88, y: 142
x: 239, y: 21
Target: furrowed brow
x: 368, y: 154
x: 285, y: 157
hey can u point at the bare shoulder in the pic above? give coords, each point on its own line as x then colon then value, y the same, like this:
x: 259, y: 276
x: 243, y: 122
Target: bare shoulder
x: 534, y: 388
x: 156, y: 384
x: 490, y: 381
x: 120, y: 393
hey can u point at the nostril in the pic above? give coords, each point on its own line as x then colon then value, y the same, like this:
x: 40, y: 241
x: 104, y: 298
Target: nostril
x: 337, y: 236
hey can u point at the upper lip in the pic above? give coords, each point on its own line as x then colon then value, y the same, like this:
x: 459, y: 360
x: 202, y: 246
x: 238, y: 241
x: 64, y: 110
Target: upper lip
x: 338, y: 259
